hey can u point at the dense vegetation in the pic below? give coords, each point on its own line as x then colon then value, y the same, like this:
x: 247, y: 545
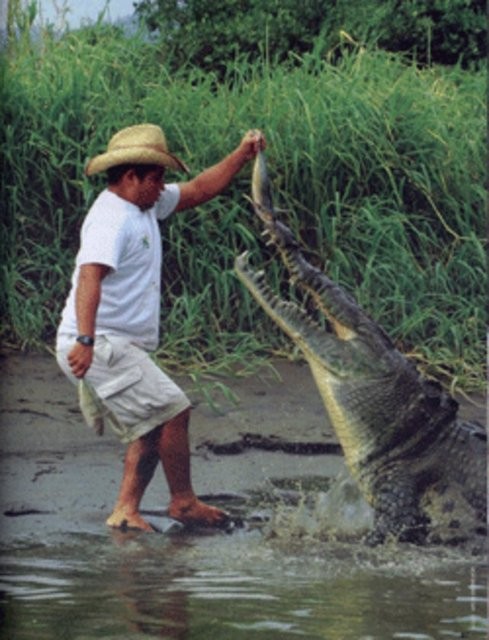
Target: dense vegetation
x: 208, y: 34
x: 379, y: 163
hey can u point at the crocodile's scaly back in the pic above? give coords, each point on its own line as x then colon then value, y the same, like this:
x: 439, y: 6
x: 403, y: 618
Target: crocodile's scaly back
x: 398, y: 430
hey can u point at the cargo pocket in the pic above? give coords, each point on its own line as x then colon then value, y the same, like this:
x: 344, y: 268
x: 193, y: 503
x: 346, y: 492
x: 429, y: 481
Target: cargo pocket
x: 108, y: 392
x: 119, y: 383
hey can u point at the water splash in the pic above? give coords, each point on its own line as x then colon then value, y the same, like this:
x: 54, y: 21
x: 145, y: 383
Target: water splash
x: 339, y: 513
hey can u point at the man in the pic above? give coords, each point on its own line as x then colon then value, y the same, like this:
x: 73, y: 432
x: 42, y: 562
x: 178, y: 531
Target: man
x: 111, y: 317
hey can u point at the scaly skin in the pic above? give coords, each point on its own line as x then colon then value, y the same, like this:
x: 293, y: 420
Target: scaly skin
x: 399, y: 432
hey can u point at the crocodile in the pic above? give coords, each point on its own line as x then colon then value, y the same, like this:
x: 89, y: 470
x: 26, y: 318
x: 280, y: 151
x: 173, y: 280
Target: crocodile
x: 402, y: 440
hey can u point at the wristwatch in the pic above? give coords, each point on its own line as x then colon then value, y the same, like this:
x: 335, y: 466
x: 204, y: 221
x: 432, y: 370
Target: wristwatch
x: 86, y: 341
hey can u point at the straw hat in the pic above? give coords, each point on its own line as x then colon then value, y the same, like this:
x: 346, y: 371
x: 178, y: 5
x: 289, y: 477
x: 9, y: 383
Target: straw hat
x: 140, y: 144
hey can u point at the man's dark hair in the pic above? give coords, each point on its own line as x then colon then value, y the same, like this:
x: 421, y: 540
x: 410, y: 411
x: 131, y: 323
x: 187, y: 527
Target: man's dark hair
x: 114, y: 174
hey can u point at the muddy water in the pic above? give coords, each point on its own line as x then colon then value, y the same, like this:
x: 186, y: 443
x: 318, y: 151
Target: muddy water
x: 277, y: 575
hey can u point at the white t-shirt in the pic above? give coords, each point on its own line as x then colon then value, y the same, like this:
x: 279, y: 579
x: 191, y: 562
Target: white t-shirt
x: 118, y: 234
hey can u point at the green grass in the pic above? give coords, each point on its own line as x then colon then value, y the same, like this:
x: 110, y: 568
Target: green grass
x: 379, y: 165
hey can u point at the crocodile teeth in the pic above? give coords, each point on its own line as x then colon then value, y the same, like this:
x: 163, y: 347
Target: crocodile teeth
x: 286, y: 307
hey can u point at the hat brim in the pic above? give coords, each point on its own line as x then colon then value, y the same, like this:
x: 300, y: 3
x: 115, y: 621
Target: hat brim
x: 134, y: 155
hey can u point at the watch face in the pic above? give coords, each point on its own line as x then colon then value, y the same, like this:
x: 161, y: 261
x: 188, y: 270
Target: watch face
x: 87, y: 341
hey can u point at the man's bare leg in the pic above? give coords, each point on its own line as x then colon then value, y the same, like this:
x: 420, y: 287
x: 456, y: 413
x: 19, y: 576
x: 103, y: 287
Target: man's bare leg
x: 139, y: 466
x: 174, y: 452
x: 168, y: 443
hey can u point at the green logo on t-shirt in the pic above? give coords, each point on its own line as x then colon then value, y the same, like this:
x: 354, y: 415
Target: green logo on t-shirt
x: 145, y: 242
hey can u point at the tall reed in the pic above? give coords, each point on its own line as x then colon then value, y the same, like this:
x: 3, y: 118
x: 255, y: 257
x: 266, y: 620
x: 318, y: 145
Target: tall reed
x: 379, y: 165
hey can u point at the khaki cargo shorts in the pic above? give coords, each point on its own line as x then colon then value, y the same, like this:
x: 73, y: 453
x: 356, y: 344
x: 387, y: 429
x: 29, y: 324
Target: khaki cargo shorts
x: 129, y: 384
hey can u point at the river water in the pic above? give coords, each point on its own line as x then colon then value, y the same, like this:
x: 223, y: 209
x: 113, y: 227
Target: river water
x: 277, y: 576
